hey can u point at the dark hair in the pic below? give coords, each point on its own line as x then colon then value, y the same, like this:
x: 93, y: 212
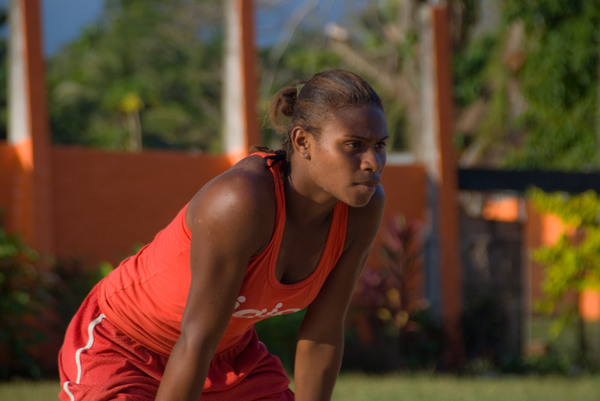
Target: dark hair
x: 308, y: 104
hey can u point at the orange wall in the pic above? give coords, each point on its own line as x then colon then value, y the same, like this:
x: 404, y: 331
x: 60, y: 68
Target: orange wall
x: 406, y: 195
x: 405, y: 189
x: 106, y: 202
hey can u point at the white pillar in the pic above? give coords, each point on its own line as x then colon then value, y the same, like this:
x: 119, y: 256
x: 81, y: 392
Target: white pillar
x: 239, y: 87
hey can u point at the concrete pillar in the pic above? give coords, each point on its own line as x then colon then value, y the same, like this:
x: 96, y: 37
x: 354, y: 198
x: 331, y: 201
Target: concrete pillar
x: 28, y: 130
x: 240, y: 86
x: 450, y: 268
x: 435, y: 151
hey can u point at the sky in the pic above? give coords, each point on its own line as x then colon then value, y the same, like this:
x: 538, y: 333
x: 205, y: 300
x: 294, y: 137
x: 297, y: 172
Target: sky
x: 63, y: 20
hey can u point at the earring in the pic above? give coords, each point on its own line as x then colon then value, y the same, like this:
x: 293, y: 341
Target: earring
x: 306, y: 155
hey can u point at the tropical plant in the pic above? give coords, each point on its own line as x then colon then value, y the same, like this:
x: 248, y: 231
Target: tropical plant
x: 390, y: 325
x: 573, y: 263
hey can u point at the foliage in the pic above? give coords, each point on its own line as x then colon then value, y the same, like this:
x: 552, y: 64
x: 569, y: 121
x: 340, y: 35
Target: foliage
x: 24, y: 298
x: 573, y: 263
x: 468, y: 66
x: 535, y: 77
x: 153, y: 69
x: 390, y: 325
x: 146, y: 66
x: 484, y: 327
x: 560, y: 79
x: 280, y: 334
x: 421, y: 342
x: 38, y: 298
x: 393, y: 286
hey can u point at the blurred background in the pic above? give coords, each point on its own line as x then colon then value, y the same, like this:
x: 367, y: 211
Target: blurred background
x: 488, y: 260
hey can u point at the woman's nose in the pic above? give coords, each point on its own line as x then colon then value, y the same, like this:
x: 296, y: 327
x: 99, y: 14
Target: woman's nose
x: 373, y: 160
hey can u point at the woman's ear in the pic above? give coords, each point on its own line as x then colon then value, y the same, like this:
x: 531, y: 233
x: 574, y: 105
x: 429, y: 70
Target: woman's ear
x: 301, y: 140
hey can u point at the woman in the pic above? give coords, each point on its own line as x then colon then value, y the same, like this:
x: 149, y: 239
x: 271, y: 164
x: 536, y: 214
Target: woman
x: 276, y: 233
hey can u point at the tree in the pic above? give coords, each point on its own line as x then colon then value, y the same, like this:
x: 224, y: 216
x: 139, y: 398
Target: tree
x: 538, y: 98
x: 559, y: 78
x: 147, y: 66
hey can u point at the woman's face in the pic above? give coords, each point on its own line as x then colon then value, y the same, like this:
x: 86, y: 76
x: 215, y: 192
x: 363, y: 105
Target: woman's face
x: 347, y: 159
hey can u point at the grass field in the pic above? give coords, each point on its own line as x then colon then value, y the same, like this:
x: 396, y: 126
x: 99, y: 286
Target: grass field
x: 354, y: 387
x: 450, y: 388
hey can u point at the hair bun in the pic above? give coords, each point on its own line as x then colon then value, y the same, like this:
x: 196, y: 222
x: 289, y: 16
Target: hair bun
x: 282, y: 108
x: 288, y: 100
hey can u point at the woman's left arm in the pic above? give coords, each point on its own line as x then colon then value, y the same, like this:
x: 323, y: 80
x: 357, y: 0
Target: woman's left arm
x: 321, y: 336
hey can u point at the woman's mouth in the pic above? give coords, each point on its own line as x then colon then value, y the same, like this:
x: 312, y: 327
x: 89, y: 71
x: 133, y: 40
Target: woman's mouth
x: 368, y: 185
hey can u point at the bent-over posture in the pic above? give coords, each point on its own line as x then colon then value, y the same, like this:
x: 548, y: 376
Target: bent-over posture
x: 276, y: 233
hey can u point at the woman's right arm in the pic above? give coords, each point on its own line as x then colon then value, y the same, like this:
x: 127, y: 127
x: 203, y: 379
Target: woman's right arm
x: 230, y: 222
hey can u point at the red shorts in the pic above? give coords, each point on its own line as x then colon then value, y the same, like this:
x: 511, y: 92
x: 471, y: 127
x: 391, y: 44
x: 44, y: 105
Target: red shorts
x: 98, y: 362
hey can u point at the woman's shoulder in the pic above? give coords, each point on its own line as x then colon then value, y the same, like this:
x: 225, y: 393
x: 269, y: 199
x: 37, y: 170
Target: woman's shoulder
x: 251, y: 167
x: 250, y: 178
x: 245, y: 191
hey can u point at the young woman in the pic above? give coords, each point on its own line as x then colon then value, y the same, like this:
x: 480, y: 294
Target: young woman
x: 277, y: 233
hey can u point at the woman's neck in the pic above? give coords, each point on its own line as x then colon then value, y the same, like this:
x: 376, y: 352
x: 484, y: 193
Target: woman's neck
x: 302, y: 208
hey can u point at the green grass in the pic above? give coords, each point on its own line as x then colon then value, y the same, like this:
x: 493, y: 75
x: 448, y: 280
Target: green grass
x: 29, y: 391
x: 451, y: 388
x: 356, y: 387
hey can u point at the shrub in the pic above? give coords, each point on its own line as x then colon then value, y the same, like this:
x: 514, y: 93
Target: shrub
x: 24, y: 297
x: 280, y: 334
x: 38, y: 298
x: 572, y: 264
x: 390, y: 325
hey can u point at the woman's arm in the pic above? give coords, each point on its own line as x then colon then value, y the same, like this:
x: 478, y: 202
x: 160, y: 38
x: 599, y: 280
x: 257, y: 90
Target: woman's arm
x: 230, y: 221
x: 321, y: 337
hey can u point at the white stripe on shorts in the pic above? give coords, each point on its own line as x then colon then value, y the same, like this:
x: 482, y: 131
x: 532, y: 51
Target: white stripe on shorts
x: 66, y: 388
x: 89, y: 344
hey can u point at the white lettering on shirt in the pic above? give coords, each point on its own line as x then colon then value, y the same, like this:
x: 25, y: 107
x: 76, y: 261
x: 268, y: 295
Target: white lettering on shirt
x: 254, y: 313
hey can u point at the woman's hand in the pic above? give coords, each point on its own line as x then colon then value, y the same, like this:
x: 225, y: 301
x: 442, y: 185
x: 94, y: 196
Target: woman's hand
x: 321, y: 337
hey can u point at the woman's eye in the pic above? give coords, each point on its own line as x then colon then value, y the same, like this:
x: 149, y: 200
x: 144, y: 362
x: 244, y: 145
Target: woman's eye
x: 354, y: 145
x: 380, y: 145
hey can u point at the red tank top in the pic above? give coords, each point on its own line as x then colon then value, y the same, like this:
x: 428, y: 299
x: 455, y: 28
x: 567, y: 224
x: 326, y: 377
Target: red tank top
x: 146, y: 295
